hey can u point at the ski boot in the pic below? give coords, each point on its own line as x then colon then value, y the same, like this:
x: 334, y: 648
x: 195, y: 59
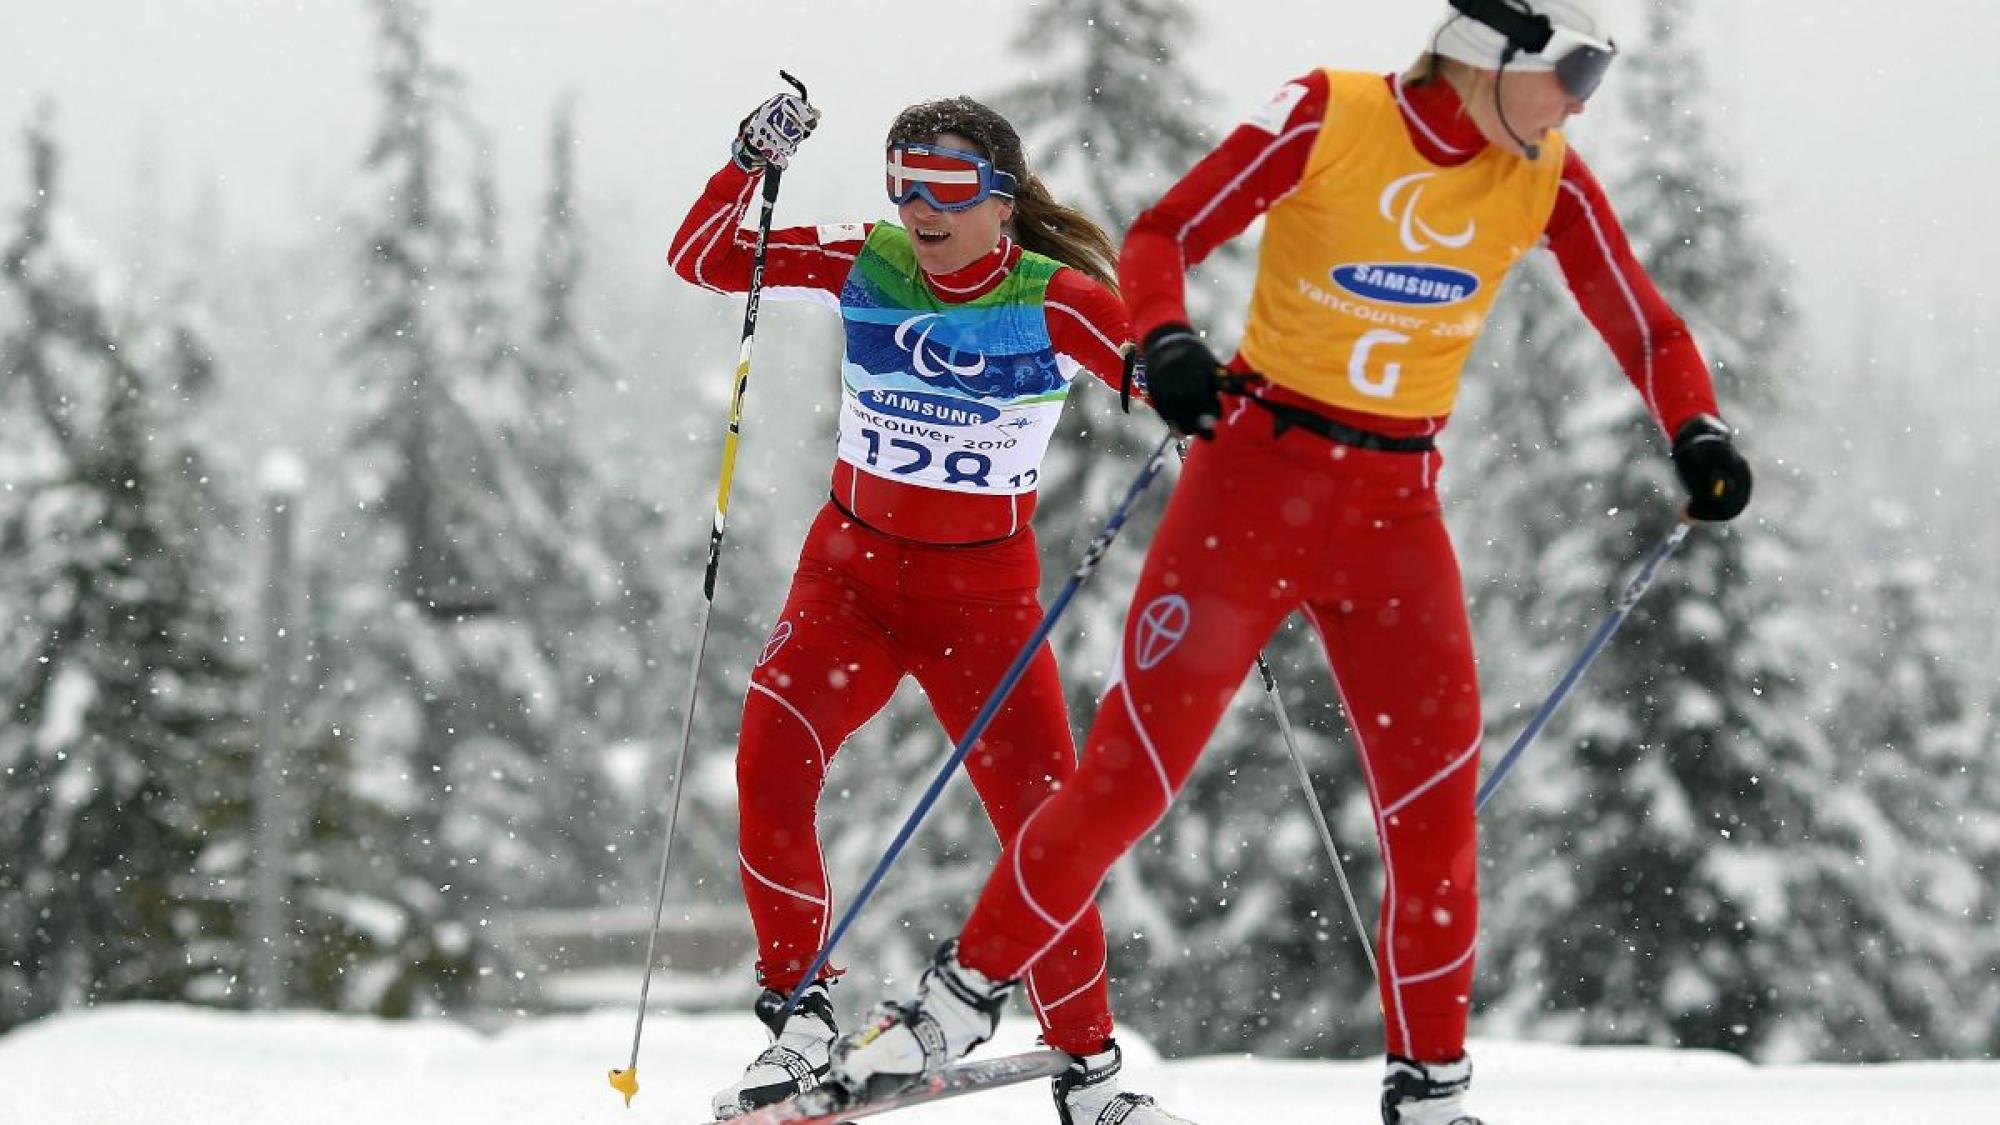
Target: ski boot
x: 900, y: 1045
x: 796, y: 1060
x: 1415, y: 1093
x: 1088, y: 1094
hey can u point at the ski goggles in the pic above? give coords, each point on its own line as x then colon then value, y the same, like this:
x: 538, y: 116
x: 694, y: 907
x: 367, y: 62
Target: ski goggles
x: 949, y: 179
x: 1580, y: 61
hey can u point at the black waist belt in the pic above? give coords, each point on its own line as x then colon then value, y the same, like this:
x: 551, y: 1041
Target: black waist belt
x: 1284, y: 416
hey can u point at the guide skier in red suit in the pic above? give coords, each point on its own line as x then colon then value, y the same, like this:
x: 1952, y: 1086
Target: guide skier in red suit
x: 1394, y: 205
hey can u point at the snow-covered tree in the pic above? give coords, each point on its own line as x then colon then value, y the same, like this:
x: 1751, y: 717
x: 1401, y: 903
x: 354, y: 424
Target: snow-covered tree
x: 1981, y: 816
x: 125, y: 710
x: 1904, y: 804
x: 1108, y: 110
x: 561, y: 352
x: 454, y: 695
x: 599, y: 599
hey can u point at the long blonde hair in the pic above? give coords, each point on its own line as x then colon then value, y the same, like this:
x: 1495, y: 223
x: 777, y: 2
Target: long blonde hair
x: 1041, y: 223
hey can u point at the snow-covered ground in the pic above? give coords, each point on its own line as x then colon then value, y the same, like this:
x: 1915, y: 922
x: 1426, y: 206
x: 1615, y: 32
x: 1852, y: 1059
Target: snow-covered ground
x: 144, y: 1064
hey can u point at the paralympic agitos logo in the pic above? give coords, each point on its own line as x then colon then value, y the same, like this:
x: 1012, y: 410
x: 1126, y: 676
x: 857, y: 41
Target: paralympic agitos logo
x: 932, y: 366
x: 1412, y: 283
x: 947, y: 368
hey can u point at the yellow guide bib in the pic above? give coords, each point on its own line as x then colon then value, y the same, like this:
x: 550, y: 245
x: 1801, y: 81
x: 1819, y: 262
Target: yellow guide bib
x: 1376, y: 274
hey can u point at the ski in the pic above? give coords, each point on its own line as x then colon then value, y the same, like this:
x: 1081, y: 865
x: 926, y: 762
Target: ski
x: 821, y: 1106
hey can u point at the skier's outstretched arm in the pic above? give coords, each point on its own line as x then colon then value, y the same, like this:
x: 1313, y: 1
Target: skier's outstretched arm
x: 713, y: 249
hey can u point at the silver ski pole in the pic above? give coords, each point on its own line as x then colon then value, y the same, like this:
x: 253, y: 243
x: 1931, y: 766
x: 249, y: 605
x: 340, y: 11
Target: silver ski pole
x: 1319, y: 817
x: 1634, y: 590
x: 626, y: 1081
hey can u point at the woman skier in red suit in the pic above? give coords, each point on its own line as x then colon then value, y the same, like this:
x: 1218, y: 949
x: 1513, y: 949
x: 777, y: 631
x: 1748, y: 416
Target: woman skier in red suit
x: 964, y: 327
x: 1394, y: 205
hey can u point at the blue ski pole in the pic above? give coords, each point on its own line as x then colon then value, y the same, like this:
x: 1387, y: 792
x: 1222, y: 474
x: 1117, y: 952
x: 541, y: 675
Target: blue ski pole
x: 1026, y: 656
x: 1634, y: 590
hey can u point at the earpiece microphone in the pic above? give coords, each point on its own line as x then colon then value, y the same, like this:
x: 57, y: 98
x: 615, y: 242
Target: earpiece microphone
x: 1529, y: 149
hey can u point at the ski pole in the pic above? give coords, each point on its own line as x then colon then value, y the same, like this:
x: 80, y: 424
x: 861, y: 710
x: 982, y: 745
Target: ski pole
x: 1319, y: 817
x: 626, y: 1081
x: 1091, y: 556
x: 1634, y: 590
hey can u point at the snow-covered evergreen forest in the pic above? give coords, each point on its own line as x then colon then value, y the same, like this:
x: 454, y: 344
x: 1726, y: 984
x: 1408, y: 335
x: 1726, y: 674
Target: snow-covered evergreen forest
x: 348, y: 591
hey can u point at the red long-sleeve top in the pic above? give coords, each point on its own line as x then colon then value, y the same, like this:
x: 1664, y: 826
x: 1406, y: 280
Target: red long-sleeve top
x: 1086, y: 322
x: 1255, y: 168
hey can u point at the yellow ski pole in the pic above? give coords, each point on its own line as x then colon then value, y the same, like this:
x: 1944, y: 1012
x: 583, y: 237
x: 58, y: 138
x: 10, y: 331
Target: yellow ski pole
x: 626, y: 1081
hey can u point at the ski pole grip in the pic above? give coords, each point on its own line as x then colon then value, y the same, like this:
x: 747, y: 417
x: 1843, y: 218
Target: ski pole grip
x: 796, y: 85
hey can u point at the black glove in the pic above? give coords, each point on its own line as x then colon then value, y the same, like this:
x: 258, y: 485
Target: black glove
x: 1183, y: 379
x: 1717, y: 477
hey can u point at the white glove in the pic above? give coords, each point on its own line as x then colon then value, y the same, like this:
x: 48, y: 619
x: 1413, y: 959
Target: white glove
x: 773, y: 132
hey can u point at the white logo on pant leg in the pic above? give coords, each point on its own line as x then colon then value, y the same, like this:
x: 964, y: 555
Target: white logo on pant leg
x: 779, y: 636
x: 1409, y: 226
x: 1163, y: 624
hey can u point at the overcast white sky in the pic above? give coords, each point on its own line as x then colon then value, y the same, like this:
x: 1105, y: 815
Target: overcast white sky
x: 1866, y: 129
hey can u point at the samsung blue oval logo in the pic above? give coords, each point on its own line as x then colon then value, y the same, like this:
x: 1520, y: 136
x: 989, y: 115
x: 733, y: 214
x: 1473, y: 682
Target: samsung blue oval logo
x: 1407, y: 283
x: 920, y: 407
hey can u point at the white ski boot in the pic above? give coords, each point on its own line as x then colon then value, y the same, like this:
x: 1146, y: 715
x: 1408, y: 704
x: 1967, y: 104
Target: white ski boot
x: 796, y: 1060
x: 1088, y: 1094
x: 956, y: 1009
x: 1415, y: 1093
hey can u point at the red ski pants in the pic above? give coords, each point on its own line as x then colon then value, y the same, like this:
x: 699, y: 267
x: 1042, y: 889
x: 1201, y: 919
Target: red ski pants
x: 1259, y: 526
x: 865, y: 610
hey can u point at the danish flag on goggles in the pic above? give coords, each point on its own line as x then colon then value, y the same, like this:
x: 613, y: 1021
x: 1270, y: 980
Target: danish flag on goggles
x: 949, y: 179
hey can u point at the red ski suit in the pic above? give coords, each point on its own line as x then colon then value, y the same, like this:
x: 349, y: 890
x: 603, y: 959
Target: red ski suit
x: 898, y: 579
x: 1263, y: 523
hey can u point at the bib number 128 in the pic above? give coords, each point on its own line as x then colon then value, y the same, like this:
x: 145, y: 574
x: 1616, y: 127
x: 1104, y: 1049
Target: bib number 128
x: 960, y: 466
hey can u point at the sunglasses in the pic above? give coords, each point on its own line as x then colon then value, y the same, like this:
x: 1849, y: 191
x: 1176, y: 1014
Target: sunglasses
x: 949, y: 179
